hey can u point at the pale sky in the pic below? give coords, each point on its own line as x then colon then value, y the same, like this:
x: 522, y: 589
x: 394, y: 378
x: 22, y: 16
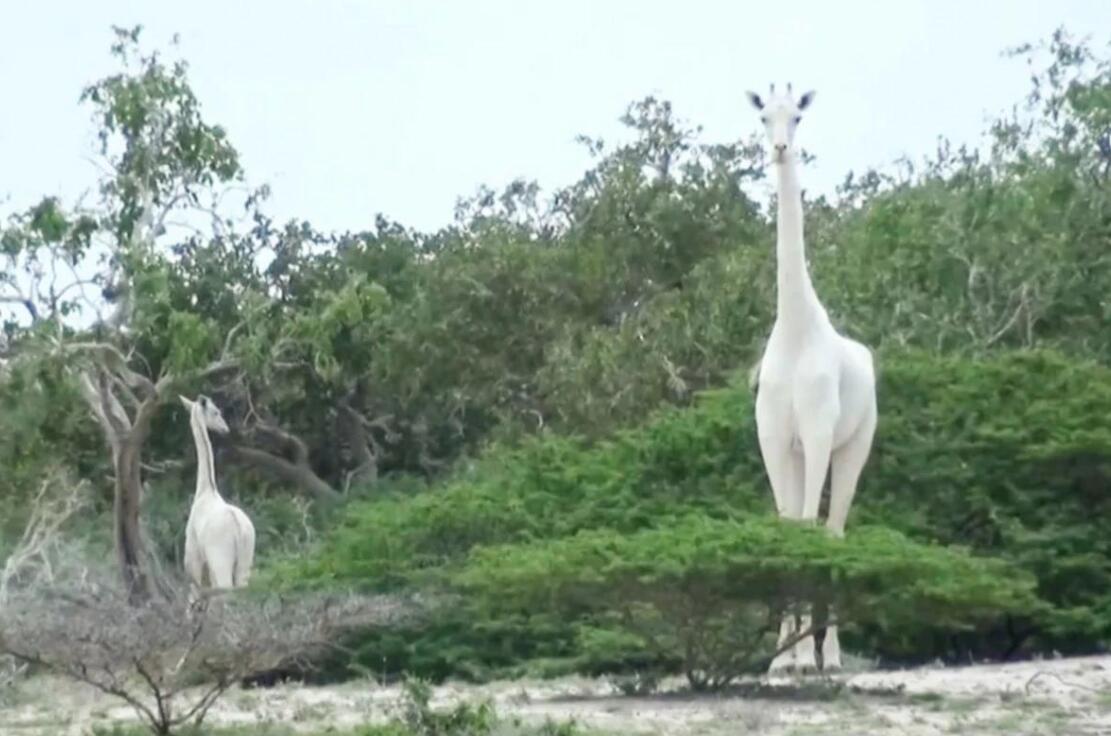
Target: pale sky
x: 350, y: 108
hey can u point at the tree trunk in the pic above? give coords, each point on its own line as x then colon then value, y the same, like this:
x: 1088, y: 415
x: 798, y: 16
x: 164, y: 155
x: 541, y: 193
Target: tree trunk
x: 129, y: 542
x: 350, y: 424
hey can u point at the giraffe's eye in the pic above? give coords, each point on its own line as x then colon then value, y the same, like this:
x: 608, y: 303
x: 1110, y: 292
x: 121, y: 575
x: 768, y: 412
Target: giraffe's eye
x: 764, y: 119
x: 798, y: 119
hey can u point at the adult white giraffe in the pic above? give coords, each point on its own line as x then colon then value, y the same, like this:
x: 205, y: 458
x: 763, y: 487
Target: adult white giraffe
x: 219, y: 538
x: 816, y: 392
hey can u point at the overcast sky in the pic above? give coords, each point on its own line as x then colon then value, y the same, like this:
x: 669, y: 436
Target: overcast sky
x: 348, y: 109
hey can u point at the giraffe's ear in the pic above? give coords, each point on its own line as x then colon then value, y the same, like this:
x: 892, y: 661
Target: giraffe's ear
x: 186, y: 402
x: 755, y: 100
x: 806, y: 99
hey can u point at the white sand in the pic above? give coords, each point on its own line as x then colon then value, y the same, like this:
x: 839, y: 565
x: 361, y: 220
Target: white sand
x: 1064, y: 697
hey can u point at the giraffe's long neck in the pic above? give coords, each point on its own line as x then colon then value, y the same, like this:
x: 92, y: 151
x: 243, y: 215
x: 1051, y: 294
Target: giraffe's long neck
x: 796, y: 301
x: 206, y: 466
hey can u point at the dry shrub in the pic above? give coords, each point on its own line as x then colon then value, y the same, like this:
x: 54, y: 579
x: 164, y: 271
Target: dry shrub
x: 169, y: 658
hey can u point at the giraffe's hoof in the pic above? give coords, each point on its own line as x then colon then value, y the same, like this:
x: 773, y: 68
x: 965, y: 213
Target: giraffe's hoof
x: 782, y: 666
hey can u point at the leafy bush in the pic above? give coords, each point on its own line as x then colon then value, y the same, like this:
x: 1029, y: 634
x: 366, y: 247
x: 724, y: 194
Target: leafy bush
x: 548, y: 487
x: 708, y: 594
x: 1009, y: 455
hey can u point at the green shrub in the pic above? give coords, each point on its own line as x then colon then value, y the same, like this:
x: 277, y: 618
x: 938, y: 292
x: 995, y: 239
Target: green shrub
x: 547, y: 487
x: 1009, y: 455
x: 709, y: 593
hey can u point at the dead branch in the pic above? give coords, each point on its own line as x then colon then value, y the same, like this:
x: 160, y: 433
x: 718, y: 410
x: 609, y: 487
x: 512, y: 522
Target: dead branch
x: 1009, y: 322
x: 152, y: 656
x: 55, y: 503
x: 111, y: 358
x: 1066, y: 683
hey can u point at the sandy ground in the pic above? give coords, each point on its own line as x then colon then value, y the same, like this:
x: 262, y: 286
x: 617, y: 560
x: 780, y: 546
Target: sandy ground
x: 1065, y: 697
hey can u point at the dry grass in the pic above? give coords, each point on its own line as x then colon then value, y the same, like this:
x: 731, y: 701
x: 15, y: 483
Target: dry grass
x: 1070, y: 696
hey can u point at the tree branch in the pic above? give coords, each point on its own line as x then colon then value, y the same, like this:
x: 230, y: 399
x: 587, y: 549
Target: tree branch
x: 295, y: 444
x: 297, y: 473
x: 107, y: 410
x: 24, y: 302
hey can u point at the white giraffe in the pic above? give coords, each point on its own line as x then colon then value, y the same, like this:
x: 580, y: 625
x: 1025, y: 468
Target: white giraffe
x: 816, y: 393
x: 219, y: 538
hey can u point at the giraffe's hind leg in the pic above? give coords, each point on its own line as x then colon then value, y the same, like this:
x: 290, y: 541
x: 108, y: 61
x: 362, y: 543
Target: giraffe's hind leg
x: 848, y: 462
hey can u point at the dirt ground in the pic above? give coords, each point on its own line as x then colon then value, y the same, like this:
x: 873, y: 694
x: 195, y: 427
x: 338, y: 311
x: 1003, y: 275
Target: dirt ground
x: 1065, y: 697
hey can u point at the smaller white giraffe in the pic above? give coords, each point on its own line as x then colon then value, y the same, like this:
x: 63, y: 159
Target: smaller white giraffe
x: 219, y: 538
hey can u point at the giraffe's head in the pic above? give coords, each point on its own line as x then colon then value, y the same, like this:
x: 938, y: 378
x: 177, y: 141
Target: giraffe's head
x: 781, y: 115
x: 208, y: 412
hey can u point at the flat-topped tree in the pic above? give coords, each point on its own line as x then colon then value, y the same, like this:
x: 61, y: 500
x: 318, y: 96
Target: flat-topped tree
x: 816, y: 392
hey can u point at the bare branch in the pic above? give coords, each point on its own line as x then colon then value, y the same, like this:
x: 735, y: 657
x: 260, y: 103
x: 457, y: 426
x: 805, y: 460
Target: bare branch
x: 24, y: 302
x: 1010, y: 322
x: 232, y: 333
x: 55, y: 503
x: 1066, y: 683
x: 151, y: 655
x: 106, y: 408
x: 114, y: 360
x: 295, y: 444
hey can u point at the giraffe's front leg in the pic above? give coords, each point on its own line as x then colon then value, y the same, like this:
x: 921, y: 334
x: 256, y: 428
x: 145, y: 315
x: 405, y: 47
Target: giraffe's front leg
x: 784, y: 661
x: 784, y: 465
x: 831, y: 648
x: 806, y: 655
x: 818, y: 410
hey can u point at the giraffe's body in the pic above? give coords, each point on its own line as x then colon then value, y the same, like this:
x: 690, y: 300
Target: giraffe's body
x: 816, y: 388
x: 219, y: 537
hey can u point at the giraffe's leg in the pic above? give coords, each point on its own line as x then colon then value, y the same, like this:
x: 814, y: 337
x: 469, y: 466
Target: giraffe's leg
x: 784, y: 662
x: 848, y: 462
x: 818, y: 406
x: 806, y: 655
x: 244, y: 553
x: 776, y: 437
x: 790, y: 475
x: 784, y: 467
x: 817, y: 445
x: 194, y: 568
x: 221, y: 564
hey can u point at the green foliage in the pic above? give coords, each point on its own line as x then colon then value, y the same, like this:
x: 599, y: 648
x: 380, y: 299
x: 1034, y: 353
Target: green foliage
x: 40, y: 412
x: 553, y: 486
x: 706, y: 593
x: 521, y: 362
x: 1007, y: 455
x: 1011, y: 456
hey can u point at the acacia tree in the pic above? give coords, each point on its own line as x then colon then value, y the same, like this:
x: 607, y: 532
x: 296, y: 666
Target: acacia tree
x: 157, y: 288
x: 166, y: 170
